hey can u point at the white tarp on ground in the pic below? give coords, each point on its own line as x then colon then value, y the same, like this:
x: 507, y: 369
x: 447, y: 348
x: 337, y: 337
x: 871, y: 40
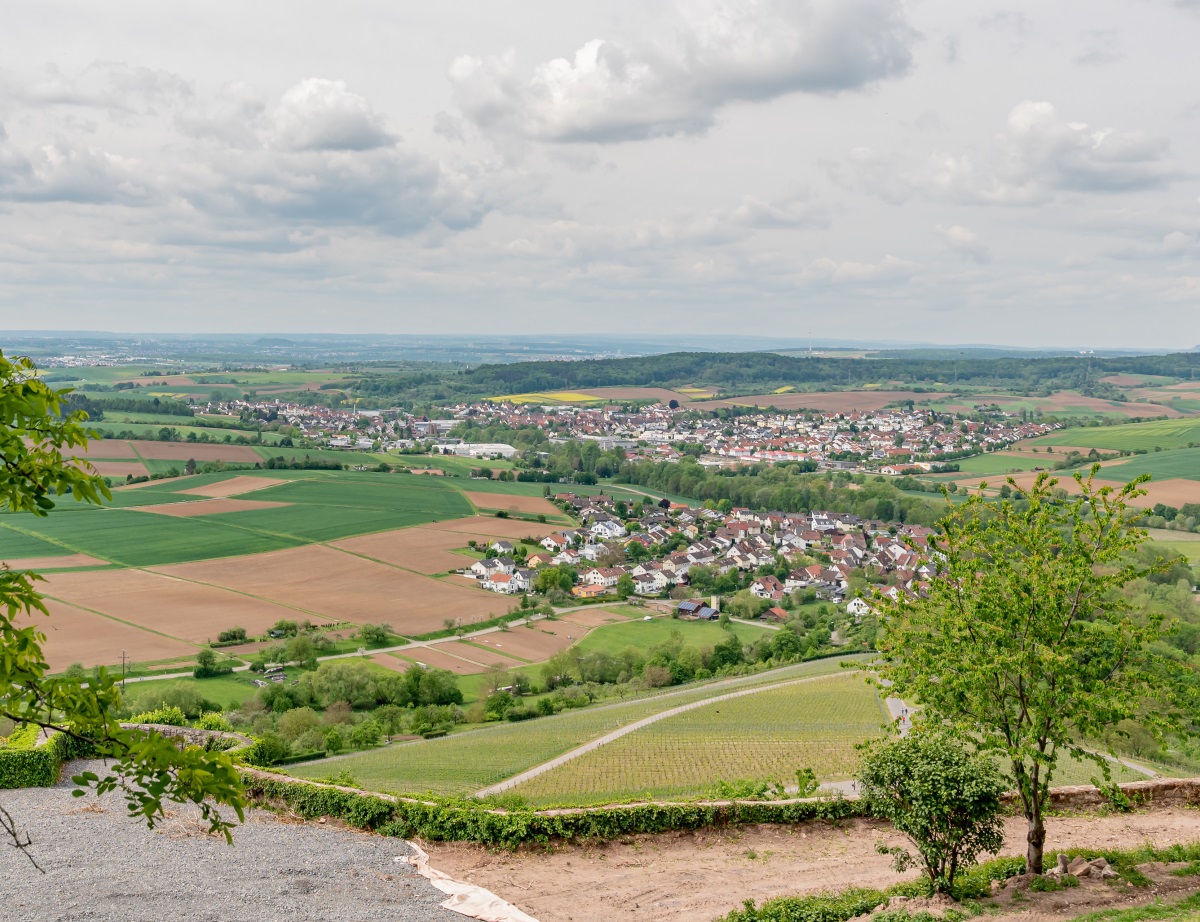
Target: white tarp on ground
x: 466, y: 899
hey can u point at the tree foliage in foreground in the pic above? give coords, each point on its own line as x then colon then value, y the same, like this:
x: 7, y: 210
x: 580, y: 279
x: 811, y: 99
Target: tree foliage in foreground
x: 1025, y: 643
x: 942, y: 796
x: 148, y: 770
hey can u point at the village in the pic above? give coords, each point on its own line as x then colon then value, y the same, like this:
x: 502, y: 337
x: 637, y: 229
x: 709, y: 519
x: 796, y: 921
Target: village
x: 890, y: 441
x: 699, y: 557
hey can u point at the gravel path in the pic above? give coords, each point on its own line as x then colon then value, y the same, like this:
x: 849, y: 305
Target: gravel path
x: 100, y: 865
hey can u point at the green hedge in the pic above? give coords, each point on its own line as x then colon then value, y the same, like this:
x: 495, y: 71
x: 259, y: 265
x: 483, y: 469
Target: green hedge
x: 470, y: 821
x: 23, y: 764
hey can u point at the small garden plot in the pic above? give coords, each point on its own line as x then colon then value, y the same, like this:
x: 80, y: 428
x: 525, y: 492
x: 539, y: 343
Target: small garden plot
x: 593, y: 617
x: 532, y: 505
x: 186, y: 610
x: 77, y: 636
x: 208, y: 507
x: 770, y: 734
x: 232, y: 487
x: 492, y: 527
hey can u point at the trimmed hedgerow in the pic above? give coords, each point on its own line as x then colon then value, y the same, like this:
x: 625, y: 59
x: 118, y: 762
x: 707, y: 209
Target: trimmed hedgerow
x: 25, y: 764
x: 471, y: 821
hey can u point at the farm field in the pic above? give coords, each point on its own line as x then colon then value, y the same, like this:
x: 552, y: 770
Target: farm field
x: 769, y: 734
x: 468, y: 761
x: 1002, y: 462
x: 74, y: 635
x: 529, y: 505
x: 1165, y: 465
x: 1157, y: 433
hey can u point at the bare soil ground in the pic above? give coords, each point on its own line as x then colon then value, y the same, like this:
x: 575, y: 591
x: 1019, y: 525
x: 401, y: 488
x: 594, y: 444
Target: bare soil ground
x: 425, y: 550
x: 187, y: 610
x: 435, y: 659
x: 120, y: 468
x: 208, y: 507
x: 528, y: 504
x: 493, y: 527
x: 54, y: 563
x: 182, y: 451
x: 233, y: 486
x: 102, y: 448
x: 387, y: 661
x: 699, y: 876
x: 344, y: 587
x: 536, y: 643
x: 77, y: 636
x: 593, y: 617
x: 470, y: 654
x: 831, y: 401
x: 1173, y: 492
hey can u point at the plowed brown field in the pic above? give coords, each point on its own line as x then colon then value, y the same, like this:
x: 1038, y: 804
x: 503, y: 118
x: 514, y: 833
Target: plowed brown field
x: 208, y: 507
x: 182, y: 451
x: 341, y: 586
x: 533, y: 644
x: 527, y: 504
x: 186, y: 610
x: 435, y: 659
x: 76, y: 636
x: 55, y: 563
x: 233, y: 486
x: 120, y: 468
x: 493, y: 527
x: 425, y: 550
x: 470, y: 654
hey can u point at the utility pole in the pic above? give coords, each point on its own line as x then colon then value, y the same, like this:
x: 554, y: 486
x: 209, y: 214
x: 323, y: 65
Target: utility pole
x: 122, y: 670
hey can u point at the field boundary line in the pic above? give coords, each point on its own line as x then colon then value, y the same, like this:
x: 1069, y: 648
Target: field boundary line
x: 57, y: 543
x: 614, y: 735
x: 140, y: 627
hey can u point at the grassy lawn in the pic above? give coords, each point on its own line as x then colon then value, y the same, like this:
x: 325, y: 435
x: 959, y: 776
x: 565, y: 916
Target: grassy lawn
x: 230, y: 690
x: 467, y: 761
x: 993, y: 463
x: 769, y: 734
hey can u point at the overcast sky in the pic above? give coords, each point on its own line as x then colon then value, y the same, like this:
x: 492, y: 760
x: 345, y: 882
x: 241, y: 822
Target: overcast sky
x: 1021, y: 173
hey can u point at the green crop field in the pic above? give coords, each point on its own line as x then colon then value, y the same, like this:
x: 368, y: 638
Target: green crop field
x: 1161, y: 433
x: 769, y: 734
x: 1161, y: 465
x: 323, y: 506
x: 322, y: 454
x: 15, y: 544
x: 468, y: 761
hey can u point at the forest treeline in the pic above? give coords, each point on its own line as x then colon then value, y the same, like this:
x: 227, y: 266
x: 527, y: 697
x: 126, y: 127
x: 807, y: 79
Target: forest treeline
x: 746, y: 371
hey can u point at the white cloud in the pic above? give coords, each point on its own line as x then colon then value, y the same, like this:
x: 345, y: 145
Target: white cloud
x: 964, y: 242
x: 1037, y: 158
x: 611, y: 91
x: 323, y: 115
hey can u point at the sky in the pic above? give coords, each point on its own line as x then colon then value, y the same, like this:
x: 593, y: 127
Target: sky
x: 931, y: 170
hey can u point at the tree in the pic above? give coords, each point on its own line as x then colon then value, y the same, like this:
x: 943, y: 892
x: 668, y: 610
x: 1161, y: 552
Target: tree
x: 147, y: 768
x: 1024, y: 643
x: 942, y: 796
x: 625, y: 586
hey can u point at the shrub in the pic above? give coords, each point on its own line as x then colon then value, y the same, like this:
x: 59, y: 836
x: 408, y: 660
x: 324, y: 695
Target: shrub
x: 943, y: 797
x: 170, y: 716
x: 233, y: 635
x: 213, y: 720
